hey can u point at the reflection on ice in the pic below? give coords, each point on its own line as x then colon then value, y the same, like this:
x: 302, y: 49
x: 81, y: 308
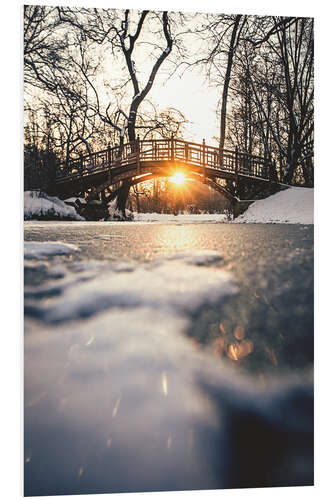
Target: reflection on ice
x: 165, y: 384
x: 116, y: 407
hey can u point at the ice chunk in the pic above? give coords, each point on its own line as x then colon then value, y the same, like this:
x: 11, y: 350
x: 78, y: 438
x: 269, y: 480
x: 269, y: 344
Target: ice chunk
x: 196, y: 257
x: 38, y: 250
x: 164, y: 285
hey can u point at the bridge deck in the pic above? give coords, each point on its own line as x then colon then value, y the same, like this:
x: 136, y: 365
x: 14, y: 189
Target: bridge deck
x: 166, y: 150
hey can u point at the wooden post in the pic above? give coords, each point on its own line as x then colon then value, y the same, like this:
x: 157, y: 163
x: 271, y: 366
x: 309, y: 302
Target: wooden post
x: 172, y: 148
x: 186, y: 151
x: 109, y: 156
x: 236, y: 160
x: 204, y: 157
x: 109, y: 160
x: 81, y: 164
x: 236, y: 167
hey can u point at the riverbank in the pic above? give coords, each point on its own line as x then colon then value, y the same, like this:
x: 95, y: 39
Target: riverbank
x: 294, y: 205
x: 290, y: 206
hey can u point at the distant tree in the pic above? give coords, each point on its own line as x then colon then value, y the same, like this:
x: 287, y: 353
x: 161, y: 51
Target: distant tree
x: 282, y: 87
x: 40, y: 159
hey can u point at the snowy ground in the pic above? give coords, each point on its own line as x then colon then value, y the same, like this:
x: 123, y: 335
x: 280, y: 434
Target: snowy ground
x: 291, y: 206
x: 183, y: 218
x: 38, y: 204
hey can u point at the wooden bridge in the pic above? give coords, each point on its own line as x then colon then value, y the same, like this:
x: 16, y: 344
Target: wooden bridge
x: 100, y: 173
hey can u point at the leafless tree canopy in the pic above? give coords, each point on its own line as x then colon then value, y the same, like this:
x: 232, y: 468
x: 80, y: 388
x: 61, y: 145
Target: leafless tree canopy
x: 88, y: 74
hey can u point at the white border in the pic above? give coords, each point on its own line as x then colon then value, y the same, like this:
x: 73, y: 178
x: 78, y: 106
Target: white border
x: 11, y: 244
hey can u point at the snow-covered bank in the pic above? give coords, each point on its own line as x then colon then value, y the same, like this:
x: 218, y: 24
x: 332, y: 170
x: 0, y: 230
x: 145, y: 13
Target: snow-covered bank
x: 183, y: 218
x: 291, y: 206
x: 39, y: 205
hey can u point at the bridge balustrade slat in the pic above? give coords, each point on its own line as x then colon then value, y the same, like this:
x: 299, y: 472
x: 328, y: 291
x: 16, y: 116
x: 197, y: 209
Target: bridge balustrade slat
x: 167, y: 149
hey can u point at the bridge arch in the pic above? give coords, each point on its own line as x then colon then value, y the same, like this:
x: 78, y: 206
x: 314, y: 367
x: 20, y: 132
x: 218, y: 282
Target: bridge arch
x: 96, y: 173
x: 134, y: 177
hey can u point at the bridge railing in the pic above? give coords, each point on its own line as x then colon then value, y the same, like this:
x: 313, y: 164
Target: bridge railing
x: 170, y: 150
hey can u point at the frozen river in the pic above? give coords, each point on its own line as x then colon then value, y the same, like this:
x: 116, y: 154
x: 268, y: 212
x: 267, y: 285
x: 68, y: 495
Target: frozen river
x: 167, y: 356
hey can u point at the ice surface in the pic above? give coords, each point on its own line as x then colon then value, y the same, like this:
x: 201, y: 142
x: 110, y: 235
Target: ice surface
x: 124, y: 402
x: 291, y: 206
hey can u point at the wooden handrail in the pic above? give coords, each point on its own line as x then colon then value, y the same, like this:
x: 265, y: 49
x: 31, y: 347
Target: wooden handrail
x: 173, y: 149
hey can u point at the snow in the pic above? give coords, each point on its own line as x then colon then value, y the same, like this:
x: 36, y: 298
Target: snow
x: 181, y: 218
x: 196, y: 257
x: 38, y: 250
x: 115, y: 404
x: 75, y: 198
x: 115, y: 214
x: 39, y: 204
x: 167, y: 285
x: 291, y: 206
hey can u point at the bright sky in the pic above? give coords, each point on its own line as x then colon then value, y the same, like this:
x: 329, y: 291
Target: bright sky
x: 192, y: 96
x: 188, y: 91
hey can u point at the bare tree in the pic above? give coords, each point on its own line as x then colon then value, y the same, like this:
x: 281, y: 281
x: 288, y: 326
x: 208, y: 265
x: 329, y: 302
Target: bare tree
x: 272, y: 94
x: 43, y: 47
x: 121, y: 32
x: 284, y: 72
x: 61, y: 61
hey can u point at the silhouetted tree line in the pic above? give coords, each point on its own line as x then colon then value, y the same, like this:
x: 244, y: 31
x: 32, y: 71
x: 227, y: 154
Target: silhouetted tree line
x: 162, y: 196
x: 40, y: 159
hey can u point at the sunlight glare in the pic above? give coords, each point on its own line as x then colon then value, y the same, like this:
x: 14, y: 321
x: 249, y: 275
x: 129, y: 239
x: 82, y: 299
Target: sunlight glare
x: 177, y: 178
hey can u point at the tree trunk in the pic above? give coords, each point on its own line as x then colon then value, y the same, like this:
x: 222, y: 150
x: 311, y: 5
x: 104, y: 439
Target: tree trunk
x: 226, y: 83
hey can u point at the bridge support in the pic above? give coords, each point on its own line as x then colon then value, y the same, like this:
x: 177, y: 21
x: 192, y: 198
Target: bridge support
x: 122, y: 197
x: 239, y: 207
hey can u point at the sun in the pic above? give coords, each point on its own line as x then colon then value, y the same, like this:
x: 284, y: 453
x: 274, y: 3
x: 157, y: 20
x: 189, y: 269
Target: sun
x: 177, y: 178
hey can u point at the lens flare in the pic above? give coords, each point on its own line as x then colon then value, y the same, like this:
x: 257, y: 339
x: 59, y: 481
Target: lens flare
x: 177, y: 178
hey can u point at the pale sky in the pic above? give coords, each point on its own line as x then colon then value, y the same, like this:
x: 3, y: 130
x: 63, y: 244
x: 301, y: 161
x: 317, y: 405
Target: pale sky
x: 188, y: 91
x: 192, y: 96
